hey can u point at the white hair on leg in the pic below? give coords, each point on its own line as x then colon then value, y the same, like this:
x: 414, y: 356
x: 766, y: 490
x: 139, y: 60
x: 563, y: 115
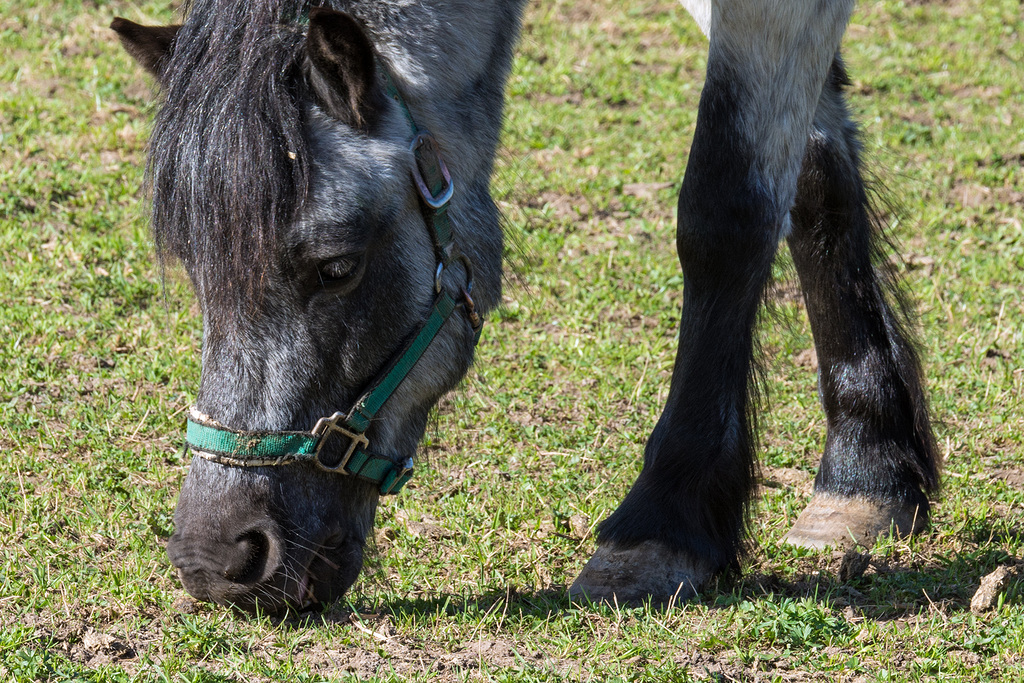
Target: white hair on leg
x: 779, y: 51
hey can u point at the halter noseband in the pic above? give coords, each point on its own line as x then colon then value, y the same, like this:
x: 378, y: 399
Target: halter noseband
x: 211, y: 440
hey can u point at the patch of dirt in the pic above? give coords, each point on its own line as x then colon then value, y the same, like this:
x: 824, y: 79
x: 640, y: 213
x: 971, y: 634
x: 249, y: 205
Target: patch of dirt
x: 427, y: 528
x: 88, y: 640
x: 800, y: 481
x: 574, y: 98
x: 808, y: 358
x: 494, y: 652
x: 976, y: 196
x: 623, y: 318
x: 995, y: 358
x: 586, y: 13
x: 961, y: 91
x: 1007, y: 159
x: 954, y: 8
x: 404, y: 655
x: 608, y: 223
x: 647, y: 191
x: 97, y: 649
x: 786, y: 292
x: 1014, y: 476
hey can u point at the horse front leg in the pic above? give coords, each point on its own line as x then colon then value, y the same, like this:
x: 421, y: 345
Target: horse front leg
x: 683, y: 520
x: 880, y: 459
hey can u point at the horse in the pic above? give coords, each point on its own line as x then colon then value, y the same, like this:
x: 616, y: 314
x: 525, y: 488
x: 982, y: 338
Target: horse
x: 321, y: 171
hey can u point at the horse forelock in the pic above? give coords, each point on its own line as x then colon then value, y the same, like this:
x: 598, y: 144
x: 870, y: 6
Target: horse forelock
x: 228, y: 163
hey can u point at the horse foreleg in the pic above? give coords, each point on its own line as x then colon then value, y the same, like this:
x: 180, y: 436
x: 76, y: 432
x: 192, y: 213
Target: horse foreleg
x: 880, y: 458
x: 683, y: 520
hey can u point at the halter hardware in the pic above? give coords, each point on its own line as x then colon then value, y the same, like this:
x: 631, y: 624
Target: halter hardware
x: 213, y: 441
x: 325, y: 427
x: 435, y: 200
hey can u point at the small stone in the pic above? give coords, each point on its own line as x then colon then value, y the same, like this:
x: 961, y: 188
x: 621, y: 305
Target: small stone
x: 580, y: 526
x: 104, y: 644
x: 97, y: 642
x: 853, y: 565
x: 186, y: 604
x: 385, y: 535
x: 428, y: 529
x: 992, y: 586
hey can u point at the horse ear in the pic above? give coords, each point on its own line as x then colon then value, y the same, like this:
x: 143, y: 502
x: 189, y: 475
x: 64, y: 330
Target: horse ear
x: 343, y: 74
x: 148, y: 45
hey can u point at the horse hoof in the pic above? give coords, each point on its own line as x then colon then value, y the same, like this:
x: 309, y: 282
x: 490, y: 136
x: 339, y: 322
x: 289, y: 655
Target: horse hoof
x: 845, y: 521
x: 632, y: 576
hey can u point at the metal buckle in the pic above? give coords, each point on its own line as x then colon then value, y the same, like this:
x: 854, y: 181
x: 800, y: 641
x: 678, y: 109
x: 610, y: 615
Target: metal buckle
x: 406, y: 469
x: 326, y: 426
x: 425, y: 139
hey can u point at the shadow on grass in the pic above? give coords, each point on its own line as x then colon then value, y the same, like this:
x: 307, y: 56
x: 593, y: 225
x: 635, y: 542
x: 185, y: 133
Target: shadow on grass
x: 533, y: 604
x: 890, y: 589
x: 900, y: 581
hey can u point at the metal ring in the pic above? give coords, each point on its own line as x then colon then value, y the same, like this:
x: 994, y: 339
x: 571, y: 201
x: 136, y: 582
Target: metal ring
x: 425, y: 139
x: 468, y: 265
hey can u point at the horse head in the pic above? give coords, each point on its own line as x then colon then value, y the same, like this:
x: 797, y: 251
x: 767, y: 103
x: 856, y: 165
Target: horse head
x: 293, y: 178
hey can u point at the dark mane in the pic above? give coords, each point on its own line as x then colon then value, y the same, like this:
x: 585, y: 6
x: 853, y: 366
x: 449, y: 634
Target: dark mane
x: 228, y: 164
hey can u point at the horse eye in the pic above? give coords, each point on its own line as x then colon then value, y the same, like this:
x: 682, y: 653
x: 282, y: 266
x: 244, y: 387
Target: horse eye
x: 341, y: 271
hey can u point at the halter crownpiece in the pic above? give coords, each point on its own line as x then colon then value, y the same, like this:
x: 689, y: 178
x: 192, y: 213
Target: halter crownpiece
x: 214, y: 441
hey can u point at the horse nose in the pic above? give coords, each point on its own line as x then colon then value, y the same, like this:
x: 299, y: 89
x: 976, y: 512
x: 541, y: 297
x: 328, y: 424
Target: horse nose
x: 227, y: 567
x: 245, y: 561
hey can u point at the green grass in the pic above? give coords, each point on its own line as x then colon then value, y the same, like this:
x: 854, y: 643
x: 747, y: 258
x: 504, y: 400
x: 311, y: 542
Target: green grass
x: 99, y: 360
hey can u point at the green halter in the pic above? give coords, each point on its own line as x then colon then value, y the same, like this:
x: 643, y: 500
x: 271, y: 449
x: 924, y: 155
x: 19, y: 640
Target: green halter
x: 211, y: 440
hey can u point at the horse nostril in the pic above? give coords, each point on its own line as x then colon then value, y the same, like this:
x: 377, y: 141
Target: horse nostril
x: 247, y: 561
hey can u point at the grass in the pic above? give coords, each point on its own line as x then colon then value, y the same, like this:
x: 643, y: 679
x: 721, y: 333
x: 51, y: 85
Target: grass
x: 100, y: 359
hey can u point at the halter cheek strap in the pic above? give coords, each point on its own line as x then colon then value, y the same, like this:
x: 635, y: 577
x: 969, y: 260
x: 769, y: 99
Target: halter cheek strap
x: 213, y: 441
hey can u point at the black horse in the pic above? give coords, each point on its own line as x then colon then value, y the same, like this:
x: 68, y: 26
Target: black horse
x: 343, y: 257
